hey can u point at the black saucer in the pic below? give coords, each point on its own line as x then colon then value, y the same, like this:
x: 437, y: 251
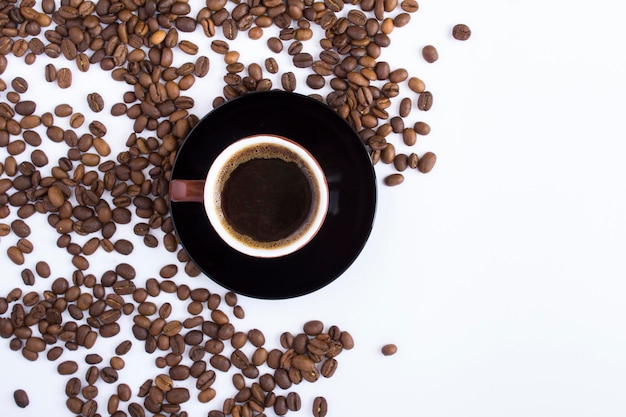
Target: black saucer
x: 351, y: 183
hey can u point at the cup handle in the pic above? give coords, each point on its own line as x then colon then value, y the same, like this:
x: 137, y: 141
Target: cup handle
x: 187, y: 191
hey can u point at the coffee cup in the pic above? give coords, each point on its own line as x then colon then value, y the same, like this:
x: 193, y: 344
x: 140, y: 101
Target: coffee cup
x: 265, y: 195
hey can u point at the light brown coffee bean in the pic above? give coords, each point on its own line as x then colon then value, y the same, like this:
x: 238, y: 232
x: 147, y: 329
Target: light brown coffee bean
x: 15, y: 255
x: 416, y: 85
x: 313, y: 327
x: 394, y: 179
x: 389, y: 349
x: 64, y: 78
x: 164, y: 382
x: 430, y: 54
x: 427, y: 162
x: 67, y: 368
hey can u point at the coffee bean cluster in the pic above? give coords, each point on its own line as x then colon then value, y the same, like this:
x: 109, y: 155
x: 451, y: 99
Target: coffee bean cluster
x: 91, y: 193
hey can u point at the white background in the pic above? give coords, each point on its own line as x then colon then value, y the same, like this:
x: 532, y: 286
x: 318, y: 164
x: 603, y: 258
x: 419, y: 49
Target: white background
x: 499, y: 275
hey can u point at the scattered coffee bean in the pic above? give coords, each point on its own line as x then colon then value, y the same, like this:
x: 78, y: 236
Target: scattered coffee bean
x: 394, y: 179
x: 461, y: 32
x: 95, y: 102
x: 425, y: 101
x: 320, y: 407
x: 64, y: 78
x: 427, y: 162
x: 389, y: 349
x: 430, y: 53
x: 21, y: 398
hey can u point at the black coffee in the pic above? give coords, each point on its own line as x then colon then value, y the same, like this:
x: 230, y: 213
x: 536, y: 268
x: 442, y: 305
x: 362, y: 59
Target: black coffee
x: 266, y: 199
x: 267, y: 196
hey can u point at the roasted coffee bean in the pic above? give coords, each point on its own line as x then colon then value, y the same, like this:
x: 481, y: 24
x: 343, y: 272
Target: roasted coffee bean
x: 394, y: 179
x: 19, y: 84
x: 313, y: 327
x: 416, y: 85
x: 64, y: 78
x: 422, y: 128
x: 280, y: 406
x: 315, y: 81
x: 21, y: 398
x: 164, y: 382
x: 256, y: 337
x: 123, y: 348
x: 109, y: 375
x: 425, y: 101
x: 67, y: 368
x: 177, y: 395
x: 320, y: 407
x: 294, y: 403
x: 271, y: 65
x: 275, y: 44
x: 93, y: 359
x: 389, y: 349
x: 461, y: 32
x: 302, y: 60
x: 124, y: 392
x: 50, y: 73
x: 15, y: 255
x: 168, y: 271
x: 427, y: 162
x: 430, y: 54
x: 95, y: 102
x: 28, y: 277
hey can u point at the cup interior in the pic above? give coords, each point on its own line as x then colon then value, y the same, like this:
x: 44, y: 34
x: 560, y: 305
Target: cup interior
x: 218, y: 175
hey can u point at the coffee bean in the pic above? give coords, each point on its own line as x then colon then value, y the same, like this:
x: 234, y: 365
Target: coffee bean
x: 275, y: 45
x: 64, y: 78
x: 280, y: 406
x: 20, y: 228
x: 67, y: 368
x: 108, y: 375
x: 19, y: 84
x: 389, y: 349
x: 15, y: 255
x: 50, y: 73
x: 28, y: 277
x: 461, y: 32
x: 271, y: 65
x: 177, y: 395
x: 394, y: 179
x: 320, y: 407
x: 416, y: 85
x: 220, y: 362
x: 427, y: 162
x: 168, y: 271
x: 313, y: 327
x: 315, y: 81
x: 95, y: 102
x: 425, y: 101
x: 21, y: 398
x: 302, y: 60
x: 430, y: 54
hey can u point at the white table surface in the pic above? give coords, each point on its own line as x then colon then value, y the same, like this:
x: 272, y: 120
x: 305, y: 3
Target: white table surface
x: 500, y: 275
